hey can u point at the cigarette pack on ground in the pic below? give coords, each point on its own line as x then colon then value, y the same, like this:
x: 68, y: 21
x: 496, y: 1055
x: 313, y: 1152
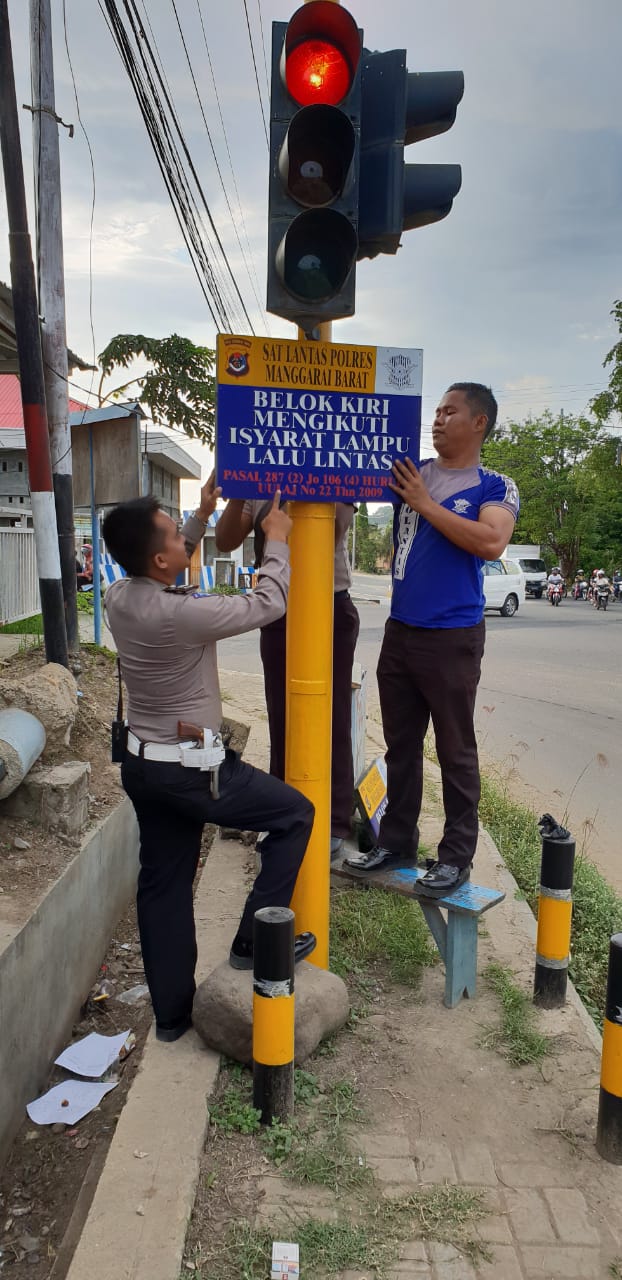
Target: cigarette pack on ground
x: 285, y: 1260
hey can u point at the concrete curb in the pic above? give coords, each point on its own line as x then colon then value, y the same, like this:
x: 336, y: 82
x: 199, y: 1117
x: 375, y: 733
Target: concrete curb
x: 55, y: 958
x: 136, y: 1225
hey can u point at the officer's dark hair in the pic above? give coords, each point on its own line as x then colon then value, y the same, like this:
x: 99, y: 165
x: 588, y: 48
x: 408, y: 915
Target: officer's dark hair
x: 131, y: 536
x: 480, y: 399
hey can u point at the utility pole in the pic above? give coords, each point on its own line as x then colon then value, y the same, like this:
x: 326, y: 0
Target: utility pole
x: 51, y: 281
x: 30, y: 360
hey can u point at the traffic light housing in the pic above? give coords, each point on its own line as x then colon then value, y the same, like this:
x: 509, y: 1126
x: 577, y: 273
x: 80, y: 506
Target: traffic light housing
x: 315, y: 113
x: 399, y: 107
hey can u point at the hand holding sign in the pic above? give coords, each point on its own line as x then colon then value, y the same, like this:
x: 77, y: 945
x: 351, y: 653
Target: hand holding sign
x: 277, y: 524
x: 210, y: 494
x: 409, y: 486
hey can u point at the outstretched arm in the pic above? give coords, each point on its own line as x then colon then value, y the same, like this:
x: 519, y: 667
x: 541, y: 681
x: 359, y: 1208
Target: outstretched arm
x: 233, y: 525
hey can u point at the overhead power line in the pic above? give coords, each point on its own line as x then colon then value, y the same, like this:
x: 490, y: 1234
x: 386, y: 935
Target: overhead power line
x: 250, y: 37
x: 206, y: 250
x: 211, y: 143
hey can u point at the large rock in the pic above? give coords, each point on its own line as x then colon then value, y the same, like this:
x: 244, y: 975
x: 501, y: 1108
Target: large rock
x: 223, y: 1006
x: 50, y: 694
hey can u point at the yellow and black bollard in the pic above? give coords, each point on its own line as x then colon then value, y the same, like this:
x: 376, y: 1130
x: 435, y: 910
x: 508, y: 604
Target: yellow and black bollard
x: 554, y: 914
x: 609, y: 1129
x: 273, y: 1013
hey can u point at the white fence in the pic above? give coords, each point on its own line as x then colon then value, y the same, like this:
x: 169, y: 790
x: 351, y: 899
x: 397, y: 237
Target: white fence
x: 19, y: 581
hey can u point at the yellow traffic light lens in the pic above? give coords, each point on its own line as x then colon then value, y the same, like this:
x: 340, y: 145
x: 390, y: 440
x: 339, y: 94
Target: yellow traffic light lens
x: 317, y: 71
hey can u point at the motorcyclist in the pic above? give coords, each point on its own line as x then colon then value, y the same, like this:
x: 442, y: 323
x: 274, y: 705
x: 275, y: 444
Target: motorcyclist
x: 554, y: 580
x: 617, y: 583
x: 580, y: 585
x: 600, y: 583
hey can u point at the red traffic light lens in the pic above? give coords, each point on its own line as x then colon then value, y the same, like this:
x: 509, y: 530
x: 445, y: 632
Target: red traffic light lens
x: 317, y: 71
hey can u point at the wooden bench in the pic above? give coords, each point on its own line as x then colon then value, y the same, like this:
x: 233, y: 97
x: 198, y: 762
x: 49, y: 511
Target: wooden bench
x: 456, y: 936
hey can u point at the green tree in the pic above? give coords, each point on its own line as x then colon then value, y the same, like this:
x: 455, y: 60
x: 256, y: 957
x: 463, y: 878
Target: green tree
x: 366, y: 549
x: 610, y: 401
x: 548, y: 459
x: 602, y: 545
x: 179, y: 388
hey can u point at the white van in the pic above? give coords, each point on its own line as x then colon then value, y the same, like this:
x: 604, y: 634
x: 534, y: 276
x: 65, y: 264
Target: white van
x: 504, y: 586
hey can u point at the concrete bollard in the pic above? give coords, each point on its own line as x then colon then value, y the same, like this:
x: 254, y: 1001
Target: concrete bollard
x: 273, y: 1013
x: 554, y: 914
x: 609, y: 1128
x: 22, y: 740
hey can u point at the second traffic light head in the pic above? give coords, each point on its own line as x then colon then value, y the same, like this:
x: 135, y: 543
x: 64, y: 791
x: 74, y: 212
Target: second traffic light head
x: 314, y: 159
x: 398, y: 108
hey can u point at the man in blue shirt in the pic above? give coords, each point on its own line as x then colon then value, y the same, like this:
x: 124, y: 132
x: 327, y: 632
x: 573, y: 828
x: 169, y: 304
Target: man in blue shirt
x: 451, y: 515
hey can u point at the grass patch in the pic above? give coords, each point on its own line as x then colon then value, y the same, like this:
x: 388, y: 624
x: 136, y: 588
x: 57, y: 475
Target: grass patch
x: 233, y: 1110
x: 597, y: 908
x: 517, y: 1037
x: 25, y: 627
x: 368, y: 926
x: 312, y: 1148
x: 328, y: 1248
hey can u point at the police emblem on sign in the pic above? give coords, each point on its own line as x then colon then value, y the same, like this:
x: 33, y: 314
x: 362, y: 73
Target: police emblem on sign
x: 400, y: 370
x: 238, y: 364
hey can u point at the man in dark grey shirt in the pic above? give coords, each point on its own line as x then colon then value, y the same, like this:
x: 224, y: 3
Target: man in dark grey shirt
x: 166, y: 638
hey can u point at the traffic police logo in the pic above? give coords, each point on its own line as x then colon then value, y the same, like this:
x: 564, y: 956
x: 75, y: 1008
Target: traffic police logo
x: 238, y: 364
x: 400, y: 368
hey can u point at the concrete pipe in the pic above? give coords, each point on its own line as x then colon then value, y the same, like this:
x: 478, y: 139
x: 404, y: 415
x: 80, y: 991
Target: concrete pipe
x: 22, y: 739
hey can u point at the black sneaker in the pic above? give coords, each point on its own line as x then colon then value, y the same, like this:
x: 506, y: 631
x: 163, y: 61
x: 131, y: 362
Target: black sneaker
x: 376, y: 858
x: 442, y: 879
x: 241, y: 953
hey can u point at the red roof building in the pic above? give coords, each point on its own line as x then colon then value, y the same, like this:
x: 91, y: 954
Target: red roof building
x: 11, y: 402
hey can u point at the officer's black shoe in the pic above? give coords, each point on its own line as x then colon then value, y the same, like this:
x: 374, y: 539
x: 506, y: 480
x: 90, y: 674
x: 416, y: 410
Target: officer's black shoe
x: 170, y: 1031
x: 442, y: 878
x: 241, y: 953
x: 376, y: 858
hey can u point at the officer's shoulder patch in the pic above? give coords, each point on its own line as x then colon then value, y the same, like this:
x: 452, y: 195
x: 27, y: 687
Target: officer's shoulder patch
x: 181, y: 591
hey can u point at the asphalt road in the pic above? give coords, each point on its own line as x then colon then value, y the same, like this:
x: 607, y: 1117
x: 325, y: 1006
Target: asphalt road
x: 549, y: 710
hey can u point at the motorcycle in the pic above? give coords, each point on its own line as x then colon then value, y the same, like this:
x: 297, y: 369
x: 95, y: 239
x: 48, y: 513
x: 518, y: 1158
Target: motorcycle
x: 579, y: 591
x: 601, y: 596
x: 555, y: 592
x: 617, y: 590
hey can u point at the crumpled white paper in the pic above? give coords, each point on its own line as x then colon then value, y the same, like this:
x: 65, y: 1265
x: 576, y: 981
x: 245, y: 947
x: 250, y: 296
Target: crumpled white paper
x: 92, y: 1055
x: 68, y: 1102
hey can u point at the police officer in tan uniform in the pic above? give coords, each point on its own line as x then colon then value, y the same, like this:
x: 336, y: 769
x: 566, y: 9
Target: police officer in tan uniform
x: 235, y: 523
x: 166, y: 639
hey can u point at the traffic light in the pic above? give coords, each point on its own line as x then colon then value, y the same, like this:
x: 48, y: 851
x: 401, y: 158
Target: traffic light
x: 399, y: 107
x: 315, y: 111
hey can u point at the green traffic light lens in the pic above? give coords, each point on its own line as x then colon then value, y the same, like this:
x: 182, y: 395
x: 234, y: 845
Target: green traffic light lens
x: 316, y: 255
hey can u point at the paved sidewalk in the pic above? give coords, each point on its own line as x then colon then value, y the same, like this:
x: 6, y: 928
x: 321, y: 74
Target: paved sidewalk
x: 447, y: 1110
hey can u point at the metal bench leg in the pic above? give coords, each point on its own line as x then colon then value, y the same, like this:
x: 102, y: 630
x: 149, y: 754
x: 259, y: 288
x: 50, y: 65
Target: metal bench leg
x: 460, y: 958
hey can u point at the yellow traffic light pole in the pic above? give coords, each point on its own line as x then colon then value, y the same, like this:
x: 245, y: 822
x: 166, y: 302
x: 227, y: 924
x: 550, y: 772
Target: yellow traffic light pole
x: 309, y: 697
x: 309, y: 700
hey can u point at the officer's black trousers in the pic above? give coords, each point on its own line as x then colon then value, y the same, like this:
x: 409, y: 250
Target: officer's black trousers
x: 172, y: 806
x: 272, y: 649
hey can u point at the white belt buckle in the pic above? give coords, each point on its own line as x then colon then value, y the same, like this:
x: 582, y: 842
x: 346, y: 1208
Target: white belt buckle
x: 207, y: 758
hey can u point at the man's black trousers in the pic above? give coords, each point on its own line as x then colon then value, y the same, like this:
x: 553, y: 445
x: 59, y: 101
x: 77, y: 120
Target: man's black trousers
x: 172, y: 806
x: 272, y: 649
x: 422, y: 674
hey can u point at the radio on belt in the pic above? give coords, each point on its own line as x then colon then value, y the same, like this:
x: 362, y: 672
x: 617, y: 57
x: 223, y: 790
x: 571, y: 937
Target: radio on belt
x: 207, y: 757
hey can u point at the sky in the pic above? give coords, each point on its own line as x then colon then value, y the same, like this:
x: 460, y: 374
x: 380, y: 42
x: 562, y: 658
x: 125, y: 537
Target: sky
x: 513, y: 289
